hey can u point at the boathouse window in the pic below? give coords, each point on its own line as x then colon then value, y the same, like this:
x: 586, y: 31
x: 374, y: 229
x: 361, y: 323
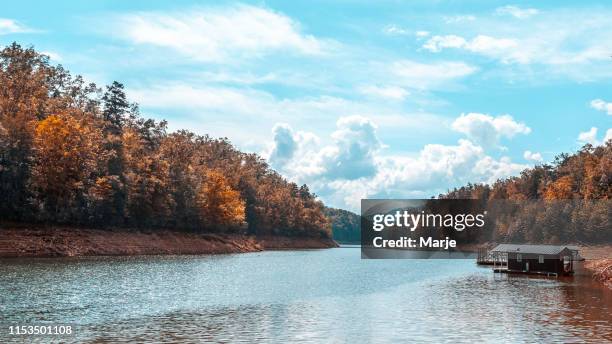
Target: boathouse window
x: 519, y: 257
x: 541, y: 259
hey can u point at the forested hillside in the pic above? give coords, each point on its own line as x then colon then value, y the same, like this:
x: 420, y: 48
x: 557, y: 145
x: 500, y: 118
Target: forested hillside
x: 346, y: 226
x: 584, y: 177
x: 74, y: 153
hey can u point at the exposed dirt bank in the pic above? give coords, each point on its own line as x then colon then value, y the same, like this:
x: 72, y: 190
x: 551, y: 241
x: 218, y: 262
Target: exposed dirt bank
x: 599, y: 262
x: 601, y: 269
x: 62, y: 241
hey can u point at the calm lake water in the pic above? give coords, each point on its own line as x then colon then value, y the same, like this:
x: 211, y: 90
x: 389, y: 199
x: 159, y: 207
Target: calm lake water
x: 327, y: 296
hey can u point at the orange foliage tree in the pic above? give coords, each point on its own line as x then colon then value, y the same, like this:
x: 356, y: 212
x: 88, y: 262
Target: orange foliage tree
x: 66, y: 155
x: 220, y: 205
x: 71, y: 152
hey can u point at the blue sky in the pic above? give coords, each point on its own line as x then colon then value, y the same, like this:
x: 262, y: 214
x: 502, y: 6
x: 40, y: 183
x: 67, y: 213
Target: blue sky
x: 357, y: 99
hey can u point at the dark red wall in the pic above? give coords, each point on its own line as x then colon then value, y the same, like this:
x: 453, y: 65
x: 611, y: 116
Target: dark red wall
x: 551, y: 263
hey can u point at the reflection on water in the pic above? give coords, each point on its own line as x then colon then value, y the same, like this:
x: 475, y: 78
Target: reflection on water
x: 299, y: 296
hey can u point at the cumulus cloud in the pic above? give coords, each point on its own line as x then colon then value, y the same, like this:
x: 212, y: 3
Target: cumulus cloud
x: 217, y: 34
x: 517, y: 12
x: 285, y: 145
x: 591, y: 137
x: 588, y: 136
x: 608, y: 136
x: 488, y: 130
x: 601, y: 105
x: 351, y: 154
x: 532, y: 156
x: 354, y: 149
x: 354, y: 166
x: 435, y: 169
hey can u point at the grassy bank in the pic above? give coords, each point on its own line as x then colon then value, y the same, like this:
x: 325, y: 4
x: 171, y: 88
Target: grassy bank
x: 64, y: 241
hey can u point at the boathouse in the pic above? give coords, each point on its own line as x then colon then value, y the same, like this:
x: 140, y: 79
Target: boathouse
x: 534, y: 259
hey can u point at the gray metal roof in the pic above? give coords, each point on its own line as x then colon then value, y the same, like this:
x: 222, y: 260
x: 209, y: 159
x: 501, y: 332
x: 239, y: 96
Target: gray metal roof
x: 535, y: 249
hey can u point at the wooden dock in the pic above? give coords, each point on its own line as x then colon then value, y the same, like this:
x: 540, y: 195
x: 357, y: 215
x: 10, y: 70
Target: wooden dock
x: 519, y: 272
x: 485, y: 257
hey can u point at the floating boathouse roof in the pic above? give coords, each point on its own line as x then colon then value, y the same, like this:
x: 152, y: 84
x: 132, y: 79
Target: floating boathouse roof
x: 533, y: 249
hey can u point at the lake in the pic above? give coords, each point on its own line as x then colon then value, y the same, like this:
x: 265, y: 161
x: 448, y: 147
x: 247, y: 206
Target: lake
x: 329, y: 296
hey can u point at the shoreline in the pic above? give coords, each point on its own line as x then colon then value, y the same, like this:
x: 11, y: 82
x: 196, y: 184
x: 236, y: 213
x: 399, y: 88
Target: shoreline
x: 598, y: 261
x: 58, y: 241
x: 23, y: 241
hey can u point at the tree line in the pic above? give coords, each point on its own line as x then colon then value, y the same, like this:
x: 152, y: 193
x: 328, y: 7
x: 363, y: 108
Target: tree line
x: 346, y: 225
x: 74, y: 153
x: 569, y: 200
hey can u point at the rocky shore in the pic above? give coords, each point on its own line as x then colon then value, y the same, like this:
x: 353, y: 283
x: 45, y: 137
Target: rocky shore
x: 20, y: 241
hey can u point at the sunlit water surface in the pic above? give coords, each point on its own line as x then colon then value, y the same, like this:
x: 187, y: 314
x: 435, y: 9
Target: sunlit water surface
x: 296, y: 296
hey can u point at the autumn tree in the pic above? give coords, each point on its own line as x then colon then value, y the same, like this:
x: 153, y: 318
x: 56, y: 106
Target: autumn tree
x: 562, y: 188
x: 146, y: 182
x: 71, y: 152
x: 220, y: 205
x: 24, y: 93
x: 66, y: 156
x: 178, y: 150
x: 572, y: 197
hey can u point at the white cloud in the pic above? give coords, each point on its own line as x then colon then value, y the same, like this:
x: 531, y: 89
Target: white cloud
x: 532, y: 156
x: 491, y: 46
x: 285, y: 145
x: 502, y: 48
x: 608, y: 135
x: 352, y: 154
x: 589, y: 137
x: 488, y: 130
x: 212, y: 99
x: 517, y: 12
x: 460, y: 18
x: 568, y: 42
x: 433, y: 170
x: 437, y: 43
x: 52, y: 55
x: 288, y: 145
x: 395, y: 30
x: 354, y: 165
x: 8, y: 26
x: 387, y: 92
x: 426, y: 75
x: 600, y: 105
x: 218, y: 34
x: 490, y: 170
x: 245, y: 114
